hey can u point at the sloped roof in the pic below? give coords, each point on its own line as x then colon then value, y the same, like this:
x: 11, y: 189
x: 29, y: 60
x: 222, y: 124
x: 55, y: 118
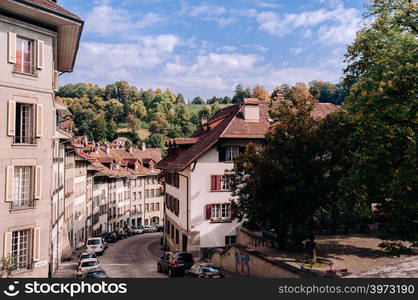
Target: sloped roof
x: 50, y: 5
x: 228, y: 122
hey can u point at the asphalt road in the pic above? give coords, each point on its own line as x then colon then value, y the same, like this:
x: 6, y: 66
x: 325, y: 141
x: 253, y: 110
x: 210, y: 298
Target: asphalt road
x: 130, y: 258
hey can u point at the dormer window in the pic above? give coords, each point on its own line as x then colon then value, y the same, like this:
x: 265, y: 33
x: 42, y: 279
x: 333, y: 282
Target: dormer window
x: 25, y: 56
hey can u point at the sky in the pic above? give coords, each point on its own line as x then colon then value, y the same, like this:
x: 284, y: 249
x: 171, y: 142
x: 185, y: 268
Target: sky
x: 206, y: 48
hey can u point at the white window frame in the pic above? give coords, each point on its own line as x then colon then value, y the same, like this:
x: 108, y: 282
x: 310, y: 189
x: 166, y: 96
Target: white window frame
x: 221, y: 212
x: 21, y: 40
x: 231, y: 152
x: 23, y: 187
x: 22, y: 248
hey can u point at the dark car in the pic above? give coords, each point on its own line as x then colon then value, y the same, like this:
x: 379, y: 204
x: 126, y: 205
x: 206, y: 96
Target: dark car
x: 96, y: 273
x: 203, y: 271
x: 175, y: 263
x: 110, y: 237
x: 160, y: 229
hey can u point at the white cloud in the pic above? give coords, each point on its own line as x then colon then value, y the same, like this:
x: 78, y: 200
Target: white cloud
x: 296, y: 50
x: 337, y: 25
x: 106, y: 20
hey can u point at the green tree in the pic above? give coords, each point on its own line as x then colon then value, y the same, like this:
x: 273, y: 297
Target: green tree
x: 197, y: 100
x: 382, y: 74
x: 180, y: 99
x: 285, y: 184
x: 138, y: 109
x: 241, y: 93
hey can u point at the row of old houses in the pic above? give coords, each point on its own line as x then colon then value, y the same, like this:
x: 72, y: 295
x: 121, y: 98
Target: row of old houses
x: 57, y: 190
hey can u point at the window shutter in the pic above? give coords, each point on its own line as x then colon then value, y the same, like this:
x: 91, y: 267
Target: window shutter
x: 39, y: 120
x: 37, y: 244
x: 54, y: 122
x: 38, y: 182
x: 12, y: 48
x: 213, y: 183
x: 222, y: 152
x: 56, y: 81
x: 177, y: 207
x: 218, y: 183
x: 40, y: 54
x: 7, y: 244
x: 10, y: 170
x: 208, y: 211
x: 11, y: 118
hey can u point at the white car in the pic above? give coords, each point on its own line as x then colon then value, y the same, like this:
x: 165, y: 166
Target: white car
x: 95, y: 245
x: 148, y: 228
x: 138, y: 230
x: 86, y: 255
x: 86, y: 265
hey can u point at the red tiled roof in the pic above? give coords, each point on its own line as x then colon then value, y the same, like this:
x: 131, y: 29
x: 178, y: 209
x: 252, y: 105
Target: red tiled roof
x: 228, y: 123
x: 52, y: 6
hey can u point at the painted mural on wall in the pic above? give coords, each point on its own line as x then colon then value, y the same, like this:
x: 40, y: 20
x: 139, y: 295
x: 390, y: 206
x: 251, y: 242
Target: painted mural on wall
x: 242, y: 263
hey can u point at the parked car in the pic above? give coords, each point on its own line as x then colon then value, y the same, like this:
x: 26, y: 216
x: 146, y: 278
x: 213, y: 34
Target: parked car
x: 203, y: 270
x: 110, y: 237
x: 121, y: 234
x: 148, y: 228
x: 138, y: 230
x: 95, y: 273
x: 160, y: 228
x: 86, y: 265
x: 96, y: 245
x: 175, y: 263
x: 86, y: 255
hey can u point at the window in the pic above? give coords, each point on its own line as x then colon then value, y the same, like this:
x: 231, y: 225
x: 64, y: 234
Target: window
x: 157, y: 206
x: 21, y: 248
x: 146, y: 194
x: 24, y: 56
x: 146, y: 207
x: 134, y: 195
x: 22, y: 196
x: 152, y: 206
x: 220, y: 183
x: 24, y: 124
x: 231, y: 153
x: 229, y: 240
x: 218, y: 212
x: 177, y: 237
x: 152, y: 193
x: 139, y: 195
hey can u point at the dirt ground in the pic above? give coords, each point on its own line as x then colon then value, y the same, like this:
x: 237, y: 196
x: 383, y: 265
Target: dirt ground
x: 356, y: 253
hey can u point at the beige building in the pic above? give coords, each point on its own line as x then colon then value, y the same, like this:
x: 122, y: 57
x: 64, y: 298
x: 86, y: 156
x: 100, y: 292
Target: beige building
x: 38, y: 39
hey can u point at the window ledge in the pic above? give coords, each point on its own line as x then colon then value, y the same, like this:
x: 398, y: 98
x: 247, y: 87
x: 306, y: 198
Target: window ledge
x: 23, y: 209
x: 23, y: 75
x: 220, y: 221
x: 24, y: 145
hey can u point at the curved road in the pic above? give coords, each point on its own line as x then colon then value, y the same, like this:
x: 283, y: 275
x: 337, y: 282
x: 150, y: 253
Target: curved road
x: 130, y: 258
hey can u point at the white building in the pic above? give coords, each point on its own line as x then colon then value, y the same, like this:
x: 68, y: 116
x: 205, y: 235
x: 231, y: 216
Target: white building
x: 198, y: 214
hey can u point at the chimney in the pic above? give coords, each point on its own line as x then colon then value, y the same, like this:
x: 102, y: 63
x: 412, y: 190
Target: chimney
x: 204, y: 120
x: 251, y: 110
x: 107, y: 148
x: 143, y: 146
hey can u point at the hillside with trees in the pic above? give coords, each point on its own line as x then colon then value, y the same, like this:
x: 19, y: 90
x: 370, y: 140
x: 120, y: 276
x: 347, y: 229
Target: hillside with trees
x: 153, y: 116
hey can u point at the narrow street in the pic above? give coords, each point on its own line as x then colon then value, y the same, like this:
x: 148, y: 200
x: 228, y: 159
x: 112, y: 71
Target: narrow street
x: 130, y: 258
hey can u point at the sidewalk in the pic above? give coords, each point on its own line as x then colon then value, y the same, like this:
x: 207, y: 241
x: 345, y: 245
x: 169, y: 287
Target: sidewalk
x: 67, y: 269
x: 155, y: 250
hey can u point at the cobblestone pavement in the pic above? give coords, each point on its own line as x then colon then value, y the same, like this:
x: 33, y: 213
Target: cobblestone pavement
x: 130, y: 258
x: 407, y: 268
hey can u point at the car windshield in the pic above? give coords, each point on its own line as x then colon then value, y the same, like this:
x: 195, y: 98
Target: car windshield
x: 90, y: 255
x: 209, y: 269
x: 186, y: 257
x: 89, y: 264
x: 97, y: 274
x: 93, y: 242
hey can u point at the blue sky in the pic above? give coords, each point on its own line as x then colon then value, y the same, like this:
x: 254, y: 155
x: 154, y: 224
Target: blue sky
x: 206, y: 48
